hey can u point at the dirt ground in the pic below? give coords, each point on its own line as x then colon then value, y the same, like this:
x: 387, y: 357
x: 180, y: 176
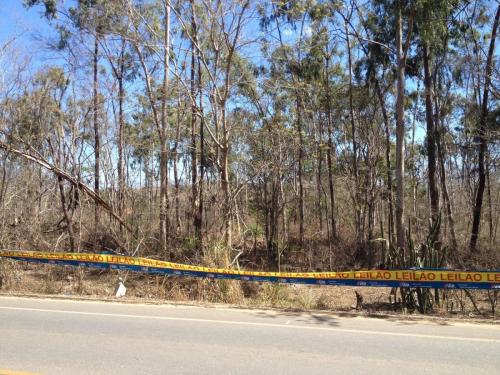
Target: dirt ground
x: 35, y: 279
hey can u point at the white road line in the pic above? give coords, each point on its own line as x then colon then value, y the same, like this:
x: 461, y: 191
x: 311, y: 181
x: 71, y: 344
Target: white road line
x: 172, y: 305
x: 254, y: 324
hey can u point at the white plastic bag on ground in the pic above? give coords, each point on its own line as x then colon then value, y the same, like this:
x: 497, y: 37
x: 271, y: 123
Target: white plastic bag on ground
x: 121, y: 289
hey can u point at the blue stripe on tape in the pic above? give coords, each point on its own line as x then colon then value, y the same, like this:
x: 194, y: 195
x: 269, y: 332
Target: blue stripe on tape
x: 272, y: 279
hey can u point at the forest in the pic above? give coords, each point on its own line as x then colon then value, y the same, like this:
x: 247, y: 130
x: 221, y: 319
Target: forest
x: 302, y: 135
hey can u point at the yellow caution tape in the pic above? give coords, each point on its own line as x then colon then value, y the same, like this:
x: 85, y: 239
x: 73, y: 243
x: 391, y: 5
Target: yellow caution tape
x: 384, y: 278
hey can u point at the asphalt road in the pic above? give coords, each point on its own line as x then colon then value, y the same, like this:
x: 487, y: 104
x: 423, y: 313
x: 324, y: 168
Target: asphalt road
x: 72, y: 337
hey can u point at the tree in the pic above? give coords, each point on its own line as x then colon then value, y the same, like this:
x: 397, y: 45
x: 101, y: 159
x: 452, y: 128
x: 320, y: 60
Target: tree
x: 401, y: 56
x: 89, y: 15
x: 286, y: 146
x: 482, y: 137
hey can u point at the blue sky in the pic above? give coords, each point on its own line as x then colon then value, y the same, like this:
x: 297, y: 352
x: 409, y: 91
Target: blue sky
x: 24, y: 25
x: 17, y: 21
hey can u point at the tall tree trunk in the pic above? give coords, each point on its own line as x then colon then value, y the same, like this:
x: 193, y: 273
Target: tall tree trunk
x: 400, y: 134
x: 226, y: 206
x: 121, y: 133
x: 300, y: 169
x: 414, y: 171
x: 226, y: 146
x: 390, y: 223
x: 490, y: 203
x: 440, y: 129
x: 331, y: 188
x: 97, y: 146
x: 482, y: 138
x: 282, y: 191
x: 194, y: 158
x: 357, y: 204
x: 67, y: 218
x: 163, y: 136
x: 296, y: 84
x: 444, y: 190
x: 431, y: 138
x: 196, y: 89
x: 319, y: 151
x: 202, y: 162
x: 175, y: 166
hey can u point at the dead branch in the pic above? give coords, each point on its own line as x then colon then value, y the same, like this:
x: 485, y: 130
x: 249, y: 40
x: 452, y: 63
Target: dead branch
x: 60, y: 173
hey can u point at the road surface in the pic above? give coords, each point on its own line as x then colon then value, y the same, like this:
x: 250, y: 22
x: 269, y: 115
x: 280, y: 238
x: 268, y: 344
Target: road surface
x: 46, y: 336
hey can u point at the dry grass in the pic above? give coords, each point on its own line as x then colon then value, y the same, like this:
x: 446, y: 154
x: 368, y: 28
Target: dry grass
x: 19, y: 277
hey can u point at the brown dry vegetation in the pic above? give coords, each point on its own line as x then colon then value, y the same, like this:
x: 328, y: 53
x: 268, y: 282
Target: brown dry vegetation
x: 27, y: 279
x: 167, y: 129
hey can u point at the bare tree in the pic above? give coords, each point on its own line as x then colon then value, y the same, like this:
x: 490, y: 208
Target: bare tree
x: 482, y: 137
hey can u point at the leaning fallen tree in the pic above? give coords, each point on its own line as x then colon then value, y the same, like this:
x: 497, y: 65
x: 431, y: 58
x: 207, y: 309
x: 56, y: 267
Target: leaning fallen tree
x: 40, y: 160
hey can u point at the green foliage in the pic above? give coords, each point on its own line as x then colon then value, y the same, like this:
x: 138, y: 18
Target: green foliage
x: 49, y: 5
x: 254, y: 230
x: 286, y: 102
x: 427, y: 255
